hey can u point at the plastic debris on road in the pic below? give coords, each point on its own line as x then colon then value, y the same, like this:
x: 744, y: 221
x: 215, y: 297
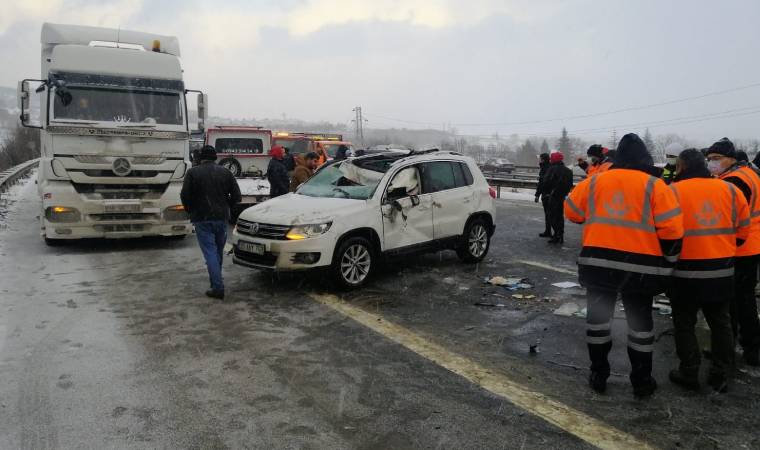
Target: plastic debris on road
x: 567, y: 310
x: 581, y: 313
x: 510, y: 283
x: 523, y: 296
x: 566, y: 284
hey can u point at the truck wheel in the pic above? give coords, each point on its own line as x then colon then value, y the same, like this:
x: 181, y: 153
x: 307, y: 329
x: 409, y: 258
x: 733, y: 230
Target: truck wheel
x: 353, y: 263
x: 232, y: 165
x: 475, y: 242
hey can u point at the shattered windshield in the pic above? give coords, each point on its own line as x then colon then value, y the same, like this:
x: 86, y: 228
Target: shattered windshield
x: 121, y: 105
x: 344, y: 180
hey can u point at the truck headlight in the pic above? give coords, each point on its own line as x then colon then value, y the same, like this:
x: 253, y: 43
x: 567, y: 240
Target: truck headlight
x: 300, y: 232
x: 62, y: 214
x: 175, y: 213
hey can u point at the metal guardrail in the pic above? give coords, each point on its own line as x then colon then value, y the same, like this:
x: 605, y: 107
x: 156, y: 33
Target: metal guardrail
x: 10, y: 176
x: 516, y: 180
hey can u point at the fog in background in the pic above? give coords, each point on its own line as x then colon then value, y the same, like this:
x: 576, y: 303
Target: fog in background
x: 467, y: 69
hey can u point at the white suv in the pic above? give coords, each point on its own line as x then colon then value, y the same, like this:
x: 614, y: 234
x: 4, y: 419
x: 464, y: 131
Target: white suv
x: 352, y: 214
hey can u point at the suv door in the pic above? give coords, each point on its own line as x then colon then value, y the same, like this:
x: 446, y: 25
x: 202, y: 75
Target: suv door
x: 450, y: 184
x: 408, y: 219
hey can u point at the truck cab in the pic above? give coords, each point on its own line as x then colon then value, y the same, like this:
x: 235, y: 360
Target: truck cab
x: 244, y: 151
x: 114, y: 133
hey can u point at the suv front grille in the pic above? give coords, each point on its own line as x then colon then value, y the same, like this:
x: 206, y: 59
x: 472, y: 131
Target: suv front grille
x: 263, y: 230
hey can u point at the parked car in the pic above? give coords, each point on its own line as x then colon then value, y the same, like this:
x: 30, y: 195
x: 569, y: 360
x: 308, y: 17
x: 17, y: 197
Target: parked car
x: 355, y: 213
x: 498, y: 166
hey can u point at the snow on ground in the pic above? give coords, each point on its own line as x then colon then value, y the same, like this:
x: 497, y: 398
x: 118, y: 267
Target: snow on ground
x: 517, y: 194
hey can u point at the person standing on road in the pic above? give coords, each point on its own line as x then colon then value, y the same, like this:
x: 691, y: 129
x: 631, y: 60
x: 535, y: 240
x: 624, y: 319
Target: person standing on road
x: 671, y: 156
x: 322, y: 157
x: 599, y: 160
x: 277, y: 173
x: 342, y: 153
x: 631, y: 241
x: 715, y: 218
x: 543, y: 166
x: 208, y: 193
x: 721, y: 157
x: 557, y: 184
x: 289, y: 161
x: 304, y: 171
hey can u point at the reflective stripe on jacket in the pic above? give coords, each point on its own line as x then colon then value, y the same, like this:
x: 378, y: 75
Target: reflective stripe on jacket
x: 751, y: 246
x: 632, y: 222
x: 715, y: 214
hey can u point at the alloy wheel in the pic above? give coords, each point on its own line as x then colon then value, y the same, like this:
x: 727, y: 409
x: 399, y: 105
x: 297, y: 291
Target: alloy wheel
x: 477, y: 241
x: 355, y: 264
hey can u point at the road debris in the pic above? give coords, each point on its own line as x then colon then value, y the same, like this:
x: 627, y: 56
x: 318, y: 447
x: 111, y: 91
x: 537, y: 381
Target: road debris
x: 567, y: 310
x: 523, y: 296
x: 566, y: 284
x: 581, y: 313
x: 510, y: 283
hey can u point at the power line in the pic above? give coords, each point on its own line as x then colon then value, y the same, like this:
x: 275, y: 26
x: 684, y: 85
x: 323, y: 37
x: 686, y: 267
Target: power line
x: 585, y: 116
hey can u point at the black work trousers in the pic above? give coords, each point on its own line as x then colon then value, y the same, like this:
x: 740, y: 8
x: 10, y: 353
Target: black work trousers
x: 547, y: 218
x: 638, y: 312
x: 744, y: 320
x: 557, y: 214
x: 686, y: 305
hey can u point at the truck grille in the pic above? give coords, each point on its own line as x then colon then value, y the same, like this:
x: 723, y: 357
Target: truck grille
x: 122, y: 191
x: 264, y: 230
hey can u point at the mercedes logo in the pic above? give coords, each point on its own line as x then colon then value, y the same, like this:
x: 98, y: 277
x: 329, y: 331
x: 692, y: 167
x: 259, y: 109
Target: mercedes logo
x: 122, y: 167
x: 255, y: 228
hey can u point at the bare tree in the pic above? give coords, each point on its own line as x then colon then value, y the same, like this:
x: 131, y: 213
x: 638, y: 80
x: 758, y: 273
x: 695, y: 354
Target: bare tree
x: 21, y: 145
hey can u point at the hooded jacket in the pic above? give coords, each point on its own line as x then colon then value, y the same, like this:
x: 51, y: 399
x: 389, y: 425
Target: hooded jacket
x: 208, y: 192
x: 301, y: 175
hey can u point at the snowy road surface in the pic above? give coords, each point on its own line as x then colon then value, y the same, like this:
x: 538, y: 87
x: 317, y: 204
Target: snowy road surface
x: 112, y: 344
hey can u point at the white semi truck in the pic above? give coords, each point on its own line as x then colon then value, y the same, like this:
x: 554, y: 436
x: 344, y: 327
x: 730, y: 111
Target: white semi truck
x: 114, y: 130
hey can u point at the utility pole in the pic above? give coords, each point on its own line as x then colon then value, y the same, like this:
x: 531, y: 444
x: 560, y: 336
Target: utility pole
x: 359, y: 122
x: 614, y: 140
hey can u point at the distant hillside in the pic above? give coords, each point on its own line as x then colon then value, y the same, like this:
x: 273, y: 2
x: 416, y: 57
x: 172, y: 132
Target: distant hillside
x: 8, y: 110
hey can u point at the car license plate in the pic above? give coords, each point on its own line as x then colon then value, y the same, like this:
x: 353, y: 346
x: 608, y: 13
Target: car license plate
x: 123, y: 207
x: 251, y: 247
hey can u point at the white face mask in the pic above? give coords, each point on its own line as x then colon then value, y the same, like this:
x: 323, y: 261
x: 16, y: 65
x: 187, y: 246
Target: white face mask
x: 714, y: 167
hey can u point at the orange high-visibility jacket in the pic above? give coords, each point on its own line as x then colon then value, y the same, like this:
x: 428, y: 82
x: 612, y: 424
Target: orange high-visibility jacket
x: 715, y: 215
x: 595, y: 169
x: 632, y: 222
x: 751, y: 246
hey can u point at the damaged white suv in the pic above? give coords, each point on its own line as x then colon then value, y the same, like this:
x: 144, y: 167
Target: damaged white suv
x: 351, y: 215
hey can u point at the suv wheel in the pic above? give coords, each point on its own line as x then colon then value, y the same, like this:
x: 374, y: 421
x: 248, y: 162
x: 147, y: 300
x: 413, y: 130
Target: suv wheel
x: 353, y: 263
x: 475, y: 242
x: 232, y: 165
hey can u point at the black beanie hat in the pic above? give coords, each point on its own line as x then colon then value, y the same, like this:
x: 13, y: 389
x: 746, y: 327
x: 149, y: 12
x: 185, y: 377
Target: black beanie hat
x: 723, y: 147
x: 694, y: 164
x: 631, y: 151
x: 595, y: 150
x: 208, y: 153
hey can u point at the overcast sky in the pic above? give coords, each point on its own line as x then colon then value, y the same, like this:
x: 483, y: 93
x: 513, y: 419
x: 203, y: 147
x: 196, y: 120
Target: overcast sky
x: 480, y: 65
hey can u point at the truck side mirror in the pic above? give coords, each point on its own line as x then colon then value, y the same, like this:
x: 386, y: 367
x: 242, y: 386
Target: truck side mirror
x: 202, y: 110
x: 23, y: 101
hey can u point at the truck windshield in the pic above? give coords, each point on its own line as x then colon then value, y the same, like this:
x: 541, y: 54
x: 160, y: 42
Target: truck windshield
x: 121, y: 105
x: 344, y: 180
x: 294, y: 146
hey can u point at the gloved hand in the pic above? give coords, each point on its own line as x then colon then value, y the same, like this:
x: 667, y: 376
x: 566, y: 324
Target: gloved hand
x: 536, y: 201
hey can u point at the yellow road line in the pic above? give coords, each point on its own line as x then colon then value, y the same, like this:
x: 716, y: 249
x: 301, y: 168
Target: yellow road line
x: 548, y: 267
x: 572, y: 421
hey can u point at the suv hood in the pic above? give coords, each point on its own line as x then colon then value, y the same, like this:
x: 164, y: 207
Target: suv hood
x: 295, y: 209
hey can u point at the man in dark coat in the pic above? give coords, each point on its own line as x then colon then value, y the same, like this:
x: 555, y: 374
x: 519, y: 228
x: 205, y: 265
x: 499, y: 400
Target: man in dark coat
x: 558, y: 183
x: 277, y: 173
x: 208, y: 193
x: 543, y: 166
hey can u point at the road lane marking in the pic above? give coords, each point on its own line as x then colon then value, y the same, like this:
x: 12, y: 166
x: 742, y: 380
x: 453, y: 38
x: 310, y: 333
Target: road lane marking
x: 548, y: 267
x: 587, y: 428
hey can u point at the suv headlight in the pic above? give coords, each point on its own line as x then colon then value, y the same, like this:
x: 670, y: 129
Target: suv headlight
x: 300, y: 232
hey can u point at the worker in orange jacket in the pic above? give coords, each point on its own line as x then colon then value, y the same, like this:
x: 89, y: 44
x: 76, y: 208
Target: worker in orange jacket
x: 321, y: 154
x: 722, y: 163
x: 631, y: 241
x: 600, y: 162
x: 716, y: 219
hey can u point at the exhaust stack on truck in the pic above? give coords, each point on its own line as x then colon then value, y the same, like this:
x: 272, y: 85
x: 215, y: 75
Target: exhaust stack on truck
x: 114, y: 133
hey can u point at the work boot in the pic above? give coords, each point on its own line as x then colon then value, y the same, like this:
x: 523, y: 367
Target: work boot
x: 752, y: 356
x: 215, y: 294
x: 598, y: 382
x: 718, y: 382
x: 557, y: 239
x: 644, y: 390
x: 545, y: 234
x: 688, y: 380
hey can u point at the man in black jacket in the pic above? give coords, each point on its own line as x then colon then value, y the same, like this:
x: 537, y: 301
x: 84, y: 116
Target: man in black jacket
x: 277, y: 173
x: 208, y: 193
x: 543, y: 166
x: 557, y: 184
